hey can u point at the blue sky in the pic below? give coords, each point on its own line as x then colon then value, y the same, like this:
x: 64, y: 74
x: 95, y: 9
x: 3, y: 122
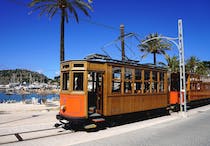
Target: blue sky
x: 32, y: 42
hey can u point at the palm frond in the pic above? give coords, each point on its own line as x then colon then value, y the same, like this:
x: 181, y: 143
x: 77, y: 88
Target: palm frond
x: 84, y: 4
x: 144, y: 55
x: 53, y: 12
x: 73, y: 10
x: 50, y: 7
x: 155, y: 46
x: 66, y: 16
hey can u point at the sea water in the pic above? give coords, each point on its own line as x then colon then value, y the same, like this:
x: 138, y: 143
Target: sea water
x: 18, y: 97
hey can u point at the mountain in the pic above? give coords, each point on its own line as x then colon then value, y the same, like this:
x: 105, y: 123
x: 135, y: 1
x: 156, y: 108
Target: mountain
x: 20, y: 76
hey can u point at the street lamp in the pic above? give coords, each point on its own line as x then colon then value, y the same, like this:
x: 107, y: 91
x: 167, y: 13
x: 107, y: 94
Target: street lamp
x: 180, y: 47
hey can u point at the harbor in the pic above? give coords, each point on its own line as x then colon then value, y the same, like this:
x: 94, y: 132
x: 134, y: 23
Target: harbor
x: 31, y: 93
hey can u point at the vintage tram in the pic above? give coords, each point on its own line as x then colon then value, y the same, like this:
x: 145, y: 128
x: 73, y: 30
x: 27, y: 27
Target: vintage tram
x: 98, y: 87
x: 197, y: 89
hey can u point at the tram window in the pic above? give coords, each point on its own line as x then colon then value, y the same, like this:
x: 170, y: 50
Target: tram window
x: 128, y: 74
x: 65, y: 85
x: 137, y: 84
x: 137, y: 74
x: 78, y: 65
x: 154, y: 76
x: 193, y: 86
x: 198, y: 86
x: 116, y: 73
x: 127, y: 87
x: 146, y: 81
x: 91, y: 82
x: 116, y: 79
x: 154, y: 87
x: 154, y: 81
x: 137, y: 87
x: 146, y: 87
x: 146, y: 75
x: 127, y: 83
x: 116, y: 86
x: 161, y: 85
x: 65, y: 66
x: 161, y: 76
x: 78, y: 82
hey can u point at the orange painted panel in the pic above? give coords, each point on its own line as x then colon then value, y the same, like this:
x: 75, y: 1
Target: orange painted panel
x: 175, y: 96
x: 73, y: 105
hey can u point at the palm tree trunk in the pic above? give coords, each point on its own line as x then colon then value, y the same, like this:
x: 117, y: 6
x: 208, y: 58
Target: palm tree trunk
x: 154, y: 54
x: 62, y: 35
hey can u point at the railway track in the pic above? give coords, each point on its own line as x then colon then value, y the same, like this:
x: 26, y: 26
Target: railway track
x: 32, y: 135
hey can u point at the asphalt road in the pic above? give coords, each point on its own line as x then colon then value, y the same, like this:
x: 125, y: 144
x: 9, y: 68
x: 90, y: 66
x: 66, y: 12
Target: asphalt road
x: 190, y: 131
x: 194, y: 130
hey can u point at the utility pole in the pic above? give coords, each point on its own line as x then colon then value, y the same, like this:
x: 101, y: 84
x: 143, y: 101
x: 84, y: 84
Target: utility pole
x: 122, y: 42
x: 180, y: 47
x: 182, y: 68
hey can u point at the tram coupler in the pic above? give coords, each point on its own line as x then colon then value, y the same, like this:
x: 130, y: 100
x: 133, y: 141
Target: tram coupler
x: 57, y: 125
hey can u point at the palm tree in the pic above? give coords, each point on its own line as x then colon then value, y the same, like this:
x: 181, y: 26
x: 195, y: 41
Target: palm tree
x: 201, y: 69
x: 173, y: 64
x: 191, y: 64
x: 194, y: 65
x: 51, y: 7
x: 207, y: 66
x: 155, y: 46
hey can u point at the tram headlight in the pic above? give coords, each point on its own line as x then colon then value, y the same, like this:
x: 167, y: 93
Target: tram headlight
x: 63, y: 108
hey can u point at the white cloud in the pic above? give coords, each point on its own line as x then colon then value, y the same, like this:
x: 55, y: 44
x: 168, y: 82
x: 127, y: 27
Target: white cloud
x: 57, y: 73
x: 40, y: 71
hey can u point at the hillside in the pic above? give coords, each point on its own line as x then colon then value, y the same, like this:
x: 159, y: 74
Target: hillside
x: 20, y: 76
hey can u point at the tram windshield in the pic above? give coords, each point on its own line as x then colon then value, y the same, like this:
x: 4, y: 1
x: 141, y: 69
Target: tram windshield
x: 78, y: 81
x: 65, y: 85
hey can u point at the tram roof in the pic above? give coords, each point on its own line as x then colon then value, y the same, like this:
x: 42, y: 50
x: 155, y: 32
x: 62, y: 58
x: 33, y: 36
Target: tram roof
x: 97, y: 58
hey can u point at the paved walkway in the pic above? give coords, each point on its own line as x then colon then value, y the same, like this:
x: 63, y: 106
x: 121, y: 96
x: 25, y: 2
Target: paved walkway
x: 16, y: 121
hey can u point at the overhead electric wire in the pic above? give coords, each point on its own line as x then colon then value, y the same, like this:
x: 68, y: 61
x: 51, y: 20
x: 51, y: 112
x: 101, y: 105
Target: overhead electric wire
x: 100, y: 24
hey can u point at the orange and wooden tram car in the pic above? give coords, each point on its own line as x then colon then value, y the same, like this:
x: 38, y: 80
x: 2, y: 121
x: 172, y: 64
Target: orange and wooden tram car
x: 197, y: 89
x: 93, y: 90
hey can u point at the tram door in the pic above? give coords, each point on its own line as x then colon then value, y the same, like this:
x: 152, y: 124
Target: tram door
x: 95, y: 92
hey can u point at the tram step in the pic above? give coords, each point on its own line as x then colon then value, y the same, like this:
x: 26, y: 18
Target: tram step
x: 98, y: 120
x: 90, y: 126
x: 95, y: 115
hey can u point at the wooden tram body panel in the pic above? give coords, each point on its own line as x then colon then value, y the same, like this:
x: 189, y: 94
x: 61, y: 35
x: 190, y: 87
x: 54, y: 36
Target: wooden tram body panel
x: 135, y: 103
x: 76, y: 103
x: 195, y: 95
x: 198, y: 87
x: 122, y: 103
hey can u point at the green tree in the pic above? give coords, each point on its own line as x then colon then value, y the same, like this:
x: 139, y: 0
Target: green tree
x: 65, y: 7
x: 194, y: 65
x: 154, y: 46
x: 173, y: 64
x: 207, y: 65
x: 201, y: 69
x: 191, y: 64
